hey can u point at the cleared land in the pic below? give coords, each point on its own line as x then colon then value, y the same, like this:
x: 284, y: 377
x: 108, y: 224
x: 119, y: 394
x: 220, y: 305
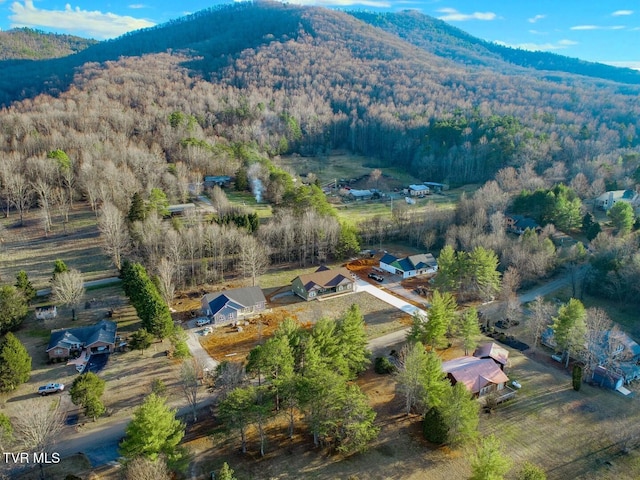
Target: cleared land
x: 27, y: 248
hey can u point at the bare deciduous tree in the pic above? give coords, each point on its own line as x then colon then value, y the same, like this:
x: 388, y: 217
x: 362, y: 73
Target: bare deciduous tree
x: 540, y: 318
x: 190, y: 375
x: 114, y: 232
x: 254, y: 258
x: 19, y: 192
x: 166, y: 276
x: 143, y: 468
x: 38, y: 425
x: 67, y: 288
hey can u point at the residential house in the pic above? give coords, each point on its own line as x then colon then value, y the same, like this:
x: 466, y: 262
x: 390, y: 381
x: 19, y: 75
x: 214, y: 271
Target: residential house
x: 324, y: 282
x: 360, y: 194
x: 219, y: 180
x: 609, y: 199
x: 68, y: 342
x: 231, y: 305
x: 181, y: 209
x: 411, y: 266
x: 495, y: 352
x: 46, y: 312
x: 418, y: 190
x: 480, y: 376
x: 436, y: 187
x: 518, y: 224
x: 616, y: 349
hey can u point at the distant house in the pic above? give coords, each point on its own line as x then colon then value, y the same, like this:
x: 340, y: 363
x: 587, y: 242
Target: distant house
x: 219, y: 180
x: 181, y: 209
x: 47, y: 312
x: 480, y: 376
x: 98, y: 338
x: 231, y: 305
x: 518, y: 224
x: 421, y: 264
x: 323, y: 282
x: 436, y: 187
x: 418, y: 190
x: 360, y: 194
x: 609, y: 199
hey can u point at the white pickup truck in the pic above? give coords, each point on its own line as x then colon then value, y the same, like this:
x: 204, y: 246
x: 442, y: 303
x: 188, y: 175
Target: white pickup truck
x: 50, y: 388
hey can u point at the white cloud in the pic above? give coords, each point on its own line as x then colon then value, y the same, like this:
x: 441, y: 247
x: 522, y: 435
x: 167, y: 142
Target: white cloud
x: 136, y: 6
x: 537, y: 32
x: 452, y: 15
x: 536, y: 18
x: 635, y: 65
x: 74, y: 20
x: 598, y: 27
x: 621, y: 13
x: 537, y: 47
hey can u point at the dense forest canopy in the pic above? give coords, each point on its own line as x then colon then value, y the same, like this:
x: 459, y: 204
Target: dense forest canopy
x: 290, y: 79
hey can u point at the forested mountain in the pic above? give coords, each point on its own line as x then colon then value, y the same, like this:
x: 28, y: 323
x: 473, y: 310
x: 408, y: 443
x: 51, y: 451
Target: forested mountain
x: 447, y: 41
x: 292, y: 79
x: 29, y: 44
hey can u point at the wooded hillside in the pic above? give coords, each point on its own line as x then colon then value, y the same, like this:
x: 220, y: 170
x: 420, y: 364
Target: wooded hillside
x: 289, y: 79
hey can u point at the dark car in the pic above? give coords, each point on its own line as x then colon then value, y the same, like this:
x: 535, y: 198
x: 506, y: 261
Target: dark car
x: 376, y: 277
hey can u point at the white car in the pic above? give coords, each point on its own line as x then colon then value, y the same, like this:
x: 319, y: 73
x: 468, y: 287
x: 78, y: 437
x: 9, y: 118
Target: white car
x: 50, y: 388
x: 202, y: 321
x: 516, y: 385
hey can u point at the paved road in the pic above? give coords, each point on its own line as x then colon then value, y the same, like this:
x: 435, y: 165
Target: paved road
x: 399, y: 303
x: 199, y: 353
x: 552, y: 285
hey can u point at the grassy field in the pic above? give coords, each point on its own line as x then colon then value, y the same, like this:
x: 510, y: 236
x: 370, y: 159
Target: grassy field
x: 27, y: 248
x: 247, y: 200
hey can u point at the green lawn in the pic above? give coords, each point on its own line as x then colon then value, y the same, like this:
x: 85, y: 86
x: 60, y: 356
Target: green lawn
x: 247, y: 200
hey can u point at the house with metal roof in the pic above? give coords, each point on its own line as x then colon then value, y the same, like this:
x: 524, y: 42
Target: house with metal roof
x: 418, y: 190
x: 98, y: 338
x: 231, y: 305
x: 495, y: 352
x: 480, y: 376
x: 360, y: 194
x: 410, y: 266
x: 324, y: 282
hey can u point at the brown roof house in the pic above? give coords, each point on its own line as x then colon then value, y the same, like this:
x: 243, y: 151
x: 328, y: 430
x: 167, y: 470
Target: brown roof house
x: 231, y: 305
x: 481, y: 373
x: 98, y: 338
x: 324, y: 282
x: 491, y: 350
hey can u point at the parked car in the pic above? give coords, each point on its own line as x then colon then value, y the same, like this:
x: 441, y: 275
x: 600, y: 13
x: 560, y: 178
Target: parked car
x: 50, y: 388
x: 376, y: 277
x: 202, y: 321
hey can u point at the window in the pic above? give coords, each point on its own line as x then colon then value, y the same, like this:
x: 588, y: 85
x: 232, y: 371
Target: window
x: 57, y: 351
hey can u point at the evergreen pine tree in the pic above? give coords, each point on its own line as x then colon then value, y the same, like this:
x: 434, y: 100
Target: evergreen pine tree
x: 15, y: 363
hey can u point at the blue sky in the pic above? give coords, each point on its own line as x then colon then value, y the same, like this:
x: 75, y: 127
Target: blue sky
x: 594, y: 30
